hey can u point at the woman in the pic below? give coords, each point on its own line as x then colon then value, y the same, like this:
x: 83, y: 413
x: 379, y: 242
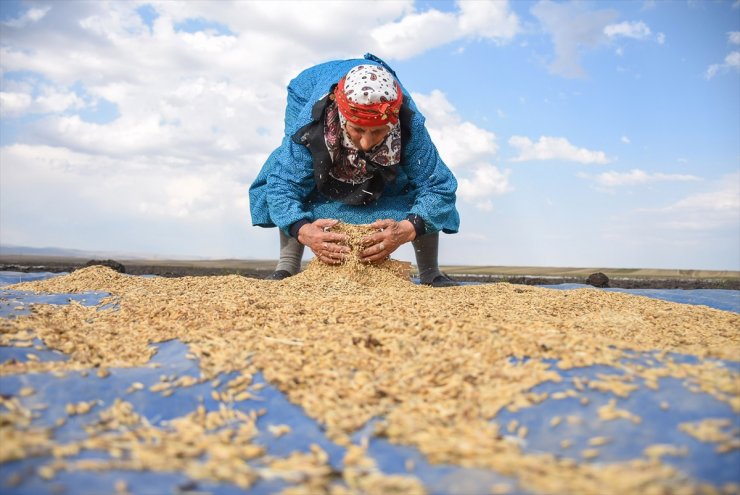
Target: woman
x: 355, y: 150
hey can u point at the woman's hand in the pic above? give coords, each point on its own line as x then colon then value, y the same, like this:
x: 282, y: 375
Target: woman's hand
x: 328, y: 247
x: 390, y: 236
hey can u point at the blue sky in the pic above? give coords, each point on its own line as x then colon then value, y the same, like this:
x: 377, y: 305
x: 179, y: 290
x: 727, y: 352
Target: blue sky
x: 585, y: 134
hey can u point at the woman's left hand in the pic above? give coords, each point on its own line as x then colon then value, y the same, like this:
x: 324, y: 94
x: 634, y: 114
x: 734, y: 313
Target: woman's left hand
x: 390, y: 236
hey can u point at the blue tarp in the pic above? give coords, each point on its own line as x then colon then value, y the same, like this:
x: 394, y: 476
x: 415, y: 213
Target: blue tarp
x: 629, y: 440
x: 727, y: 300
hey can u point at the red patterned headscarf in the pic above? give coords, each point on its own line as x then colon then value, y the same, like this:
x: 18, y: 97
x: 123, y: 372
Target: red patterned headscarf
x: 369, y: 95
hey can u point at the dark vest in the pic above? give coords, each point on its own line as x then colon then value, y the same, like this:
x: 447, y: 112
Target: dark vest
x: 312, y: 136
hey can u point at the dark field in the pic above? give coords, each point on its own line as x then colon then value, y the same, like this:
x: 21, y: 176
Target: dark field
x: 627, y: 278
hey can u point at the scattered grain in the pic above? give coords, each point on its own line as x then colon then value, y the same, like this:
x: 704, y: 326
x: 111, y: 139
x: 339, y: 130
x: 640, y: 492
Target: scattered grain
x: 354, y: 342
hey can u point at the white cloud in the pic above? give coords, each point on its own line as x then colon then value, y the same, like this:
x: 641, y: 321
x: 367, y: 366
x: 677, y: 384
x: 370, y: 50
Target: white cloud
x: 14, y: 103
x: 573, y: 29
x: 417, y: 32
x: 732, y: 61
x: 55, y: 196
x: 56, y: 100
x: 491, y: 20
x: 184, y: 196
x: 31, y: 16
x: 714, y: 209
x: 414, y: 32
x: 636, y: 30
x: 466, y: 149
x: 486, y: 181
x: 637, y: 177
x: 554, y: 148
x: 460, y: 143
x: 140, y: 187
x: 201, y: 91
x: 48, y: 100
x: 625, y: 140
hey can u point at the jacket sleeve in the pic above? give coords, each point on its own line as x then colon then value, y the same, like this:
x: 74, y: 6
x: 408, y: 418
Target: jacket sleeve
x: 289, y: 184
x: 431, y: 181
x: 290, y: 180
x: 296, y: 104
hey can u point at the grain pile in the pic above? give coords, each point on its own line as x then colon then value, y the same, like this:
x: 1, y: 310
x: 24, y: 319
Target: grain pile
x: 356, y: 342
x: 353, y: 274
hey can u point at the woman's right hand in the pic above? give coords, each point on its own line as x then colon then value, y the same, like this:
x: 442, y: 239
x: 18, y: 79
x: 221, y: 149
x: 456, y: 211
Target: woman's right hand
x: 329, y: 247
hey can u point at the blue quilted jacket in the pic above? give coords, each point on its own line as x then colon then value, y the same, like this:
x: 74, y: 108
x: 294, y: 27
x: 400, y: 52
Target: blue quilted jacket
x: 284, y: 193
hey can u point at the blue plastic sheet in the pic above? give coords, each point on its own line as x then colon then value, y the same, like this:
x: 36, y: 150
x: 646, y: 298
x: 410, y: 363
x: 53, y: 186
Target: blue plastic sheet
x: 628, y: 439
x: 727, y: 300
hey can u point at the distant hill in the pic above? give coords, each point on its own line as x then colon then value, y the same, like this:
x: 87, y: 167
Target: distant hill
x: 8, y: 249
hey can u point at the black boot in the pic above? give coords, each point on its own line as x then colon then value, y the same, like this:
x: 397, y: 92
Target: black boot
x: 278, y: 275
x: 443, y: 281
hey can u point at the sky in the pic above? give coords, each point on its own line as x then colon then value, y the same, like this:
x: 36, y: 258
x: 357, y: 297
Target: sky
x: 582, y: 134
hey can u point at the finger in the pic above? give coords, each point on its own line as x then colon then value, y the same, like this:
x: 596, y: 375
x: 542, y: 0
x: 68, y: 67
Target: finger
x: 325, y: 223
x: 338, y: 256
x: 334, y: 237
x: 331, y: 247
x: 335, y: 259
x: 372, y: 239
x: 375, y: 258
x: 330, y: 250
x: 372, y: 251
x: 328, y: 258
x: 335, y: 247
x: 383, y: 224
